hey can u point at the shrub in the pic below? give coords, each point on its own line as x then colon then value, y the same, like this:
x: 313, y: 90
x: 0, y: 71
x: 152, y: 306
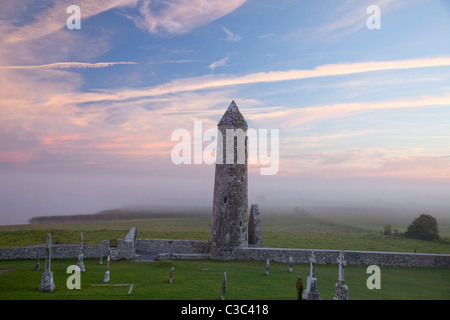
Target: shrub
x: 424, y: 227
x: 387, y: 231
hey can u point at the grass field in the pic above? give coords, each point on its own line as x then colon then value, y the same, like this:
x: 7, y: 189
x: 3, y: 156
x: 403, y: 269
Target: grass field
x: 202, y: 280
x: 279, y: 231
x: 246, y: 279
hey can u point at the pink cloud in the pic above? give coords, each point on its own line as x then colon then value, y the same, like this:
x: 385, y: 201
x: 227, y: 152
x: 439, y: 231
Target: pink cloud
x: 68, y: 65
x: 16, y: 156
x: 369, y: 163
x: 295, y: 117
x: 55, y: 17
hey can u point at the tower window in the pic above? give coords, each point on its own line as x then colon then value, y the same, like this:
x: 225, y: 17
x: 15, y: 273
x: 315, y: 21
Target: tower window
x: 225, y: 200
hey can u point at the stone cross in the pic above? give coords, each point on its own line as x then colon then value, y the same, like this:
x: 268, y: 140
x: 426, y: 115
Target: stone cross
x: 312, y: 261
x: 47, y: 283
x: 341, y: 289
x: 342, y: 264
x: 48, y: 251
x: 311, y: 292
x: 107, y: 270
x: 80, y: 263
x: 171, y: 275
x: 290, y: 261
x: 267, y: 267
x: 224, y: 283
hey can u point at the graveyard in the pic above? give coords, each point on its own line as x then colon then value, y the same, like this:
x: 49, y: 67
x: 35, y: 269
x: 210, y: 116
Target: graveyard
x: 203, y: 279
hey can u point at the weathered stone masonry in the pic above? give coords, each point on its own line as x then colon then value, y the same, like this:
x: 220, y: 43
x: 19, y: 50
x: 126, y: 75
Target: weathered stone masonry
x: 126, y: 249
x: 192, y: 249
x: 59, y: 251
x: 365, y: 258
x: 178, y: 248
x: 229, y: 225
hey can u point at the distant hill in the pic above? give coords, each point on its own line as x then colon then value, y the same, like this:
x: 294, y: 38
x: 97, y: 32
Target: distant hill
x: 124, y: 214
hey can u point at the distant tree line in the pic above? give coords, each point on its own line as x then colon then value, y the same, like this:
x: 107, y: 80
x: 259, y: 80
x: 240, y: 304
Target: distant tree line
x: 121, y: 214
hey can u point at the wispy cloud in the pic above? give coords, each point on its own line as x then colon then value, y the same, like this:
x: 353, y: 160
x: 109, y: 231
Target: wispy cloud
x: 346, y: 18
x: 220, y: 81
x: 316, y: 113
x: 220, y: 63
x: 179, y: 61
x: 54, y: 17
x: 231, y: 36
x: 68, y: 65
x: 158, y: 16
x: 180, y: 16
x: 288, y: 118
x: 267, y: 35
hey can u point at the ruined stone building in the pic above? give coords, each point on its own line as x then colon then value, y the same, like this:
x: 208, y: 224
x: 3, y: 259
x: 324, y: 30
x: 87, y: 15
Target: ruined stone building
x: 229, y: 226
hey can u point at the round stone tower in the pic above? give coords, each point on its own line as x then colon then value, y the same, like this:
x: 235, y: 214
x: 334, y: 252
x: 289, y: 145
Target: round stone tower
x: 229, y: 226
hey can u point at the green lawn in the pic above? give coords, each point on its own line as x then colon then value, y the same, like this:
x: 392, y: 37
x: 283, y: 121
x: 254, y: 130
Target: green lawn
x: 284, y: 231
x: 246, y: 279
x: 202, y: 279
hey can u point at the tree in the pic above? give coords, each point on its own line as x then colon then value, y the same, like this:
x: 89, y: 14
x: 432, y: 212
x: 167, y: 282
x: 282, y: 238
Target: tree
x: 387, y: 230
x: 424, y: 227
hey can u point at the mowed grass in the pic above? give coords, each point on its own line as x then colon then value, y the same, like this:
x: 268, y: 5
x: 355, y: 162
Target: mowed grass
x: 279, y: 231
x: 95, y: 232
x: 202, y: 280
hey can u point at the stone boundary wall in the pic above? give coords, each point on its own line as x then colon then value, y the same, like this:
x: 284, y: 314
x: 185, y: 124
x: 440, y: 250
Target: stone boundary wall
x: 179, y: 249
x: 59, y: 251
x: 172, y: 246
x: 393, y: 259
x: 193, y: 249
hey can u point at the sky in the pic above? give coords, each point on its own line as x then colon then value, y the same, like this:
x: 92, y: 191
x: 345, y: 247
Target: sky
x: 88, y: 114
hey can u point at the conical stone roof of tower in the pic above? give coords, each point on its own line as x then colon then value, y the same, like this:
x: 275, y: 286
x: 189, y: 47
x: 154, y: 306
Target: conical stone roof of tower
x: 233, y: 117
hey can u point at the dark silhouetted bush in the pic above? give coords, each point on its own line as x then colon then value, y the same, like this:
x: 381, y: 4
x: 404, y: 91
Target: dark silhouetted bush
x: 424, y: 227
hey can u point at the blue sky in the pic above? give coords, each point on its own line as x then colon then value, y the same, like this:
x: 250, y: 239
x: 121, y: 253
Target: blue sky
x: 87, y: 114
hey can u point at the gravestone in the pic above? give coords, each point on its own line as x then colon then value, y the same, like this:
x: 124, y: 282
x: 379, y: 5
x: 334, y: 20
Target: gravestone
x: 341, y: 289
x: 290, y: 262
x: 101, y: 254
x: 106, y: 279
x: 224, y: 283
x: 311, y: 292
x: 47, y: 283
x: 37, y: 267
x: 80, y: 263
x: 171, y: 275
